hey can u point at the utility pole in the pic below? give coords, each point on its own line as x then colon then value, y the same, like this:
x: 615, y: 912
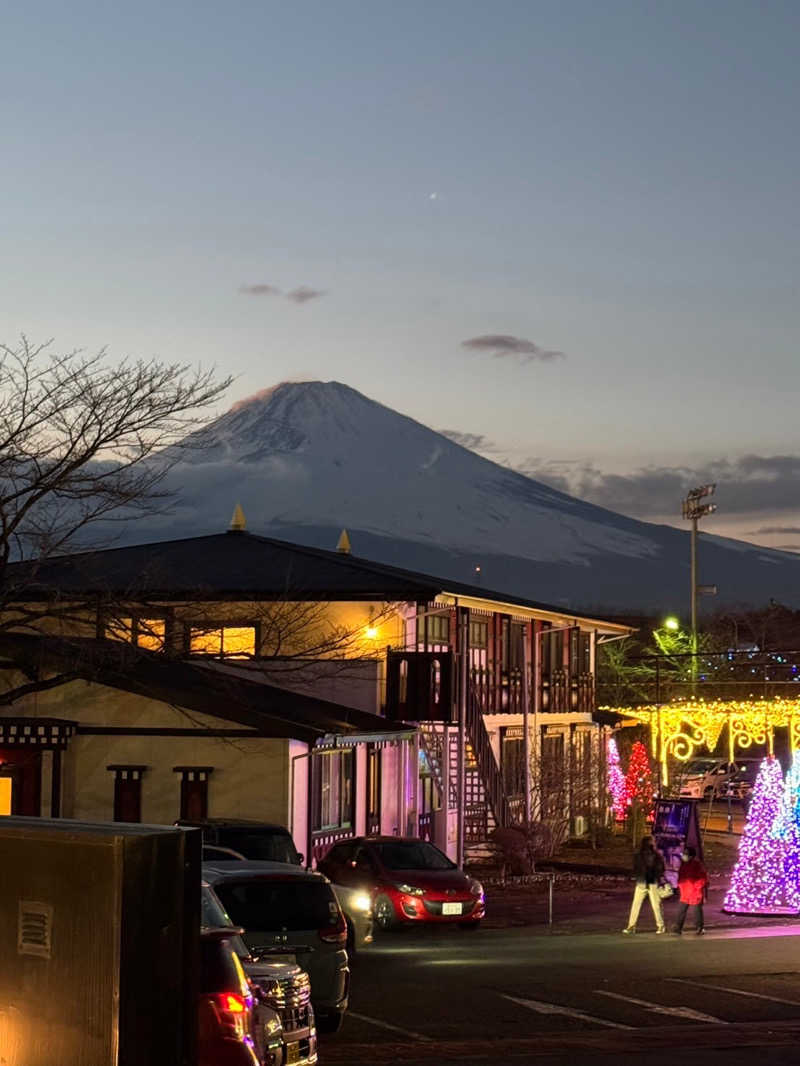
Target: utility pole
x: 694, y: 509
x: 462, y: 664
x: 528, y: 644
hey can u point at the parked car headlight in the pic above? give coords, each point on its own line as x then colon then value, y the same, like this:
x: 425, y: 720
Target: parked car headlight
x: 476, y: 888
x: 410, y: 890
x: 361, y: 902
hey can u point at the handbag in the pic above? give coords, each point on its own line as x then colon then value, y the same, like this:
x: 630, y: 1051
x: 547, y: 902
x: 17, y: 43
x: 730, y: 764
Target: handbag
x: 665, y: 890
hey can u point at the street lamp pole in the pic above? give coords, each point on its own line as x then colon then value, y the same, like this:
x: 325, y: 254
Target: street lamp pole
x: 694, y: 509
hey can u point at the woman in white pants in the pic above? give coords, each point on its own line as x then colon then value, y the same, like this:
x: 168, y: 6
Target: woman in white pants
x: 648, y: 869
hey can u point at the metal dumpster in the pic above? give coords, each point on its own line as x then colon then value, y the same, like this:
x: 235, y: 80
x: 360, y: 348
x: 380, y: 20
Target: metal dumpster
x: 98, y: 943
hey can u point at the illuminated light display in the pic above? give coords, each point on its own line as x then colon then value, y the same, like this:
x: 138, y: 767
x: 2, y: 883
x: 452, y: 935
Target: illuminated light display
x: 759, y: 881
x: 616, y: 780
x: 680, y: 729
x: 785, y: 829
x: 639, y: 780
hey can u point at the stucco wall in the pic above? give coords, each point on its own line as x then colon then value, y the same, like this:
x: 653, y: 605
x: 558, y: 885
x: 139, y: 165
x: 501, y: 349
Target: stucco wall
x: 250, y: 778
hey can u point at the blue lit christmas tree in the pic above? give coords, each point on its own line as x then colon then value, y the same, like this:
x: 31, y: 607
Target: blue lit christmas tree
x: 786, y: 829
x: 759, y: 880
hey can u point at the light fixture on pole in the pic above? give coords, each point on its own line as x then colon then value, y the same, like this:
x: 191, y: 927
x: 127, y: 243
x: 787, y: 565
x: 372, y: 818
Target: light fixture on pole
x: 693, y: 510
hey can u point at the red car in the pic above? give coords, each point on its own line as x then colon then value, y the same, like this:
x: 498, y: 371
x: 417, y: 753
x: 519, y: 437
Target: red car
x: 226, y: 1007
x: 409, y: 881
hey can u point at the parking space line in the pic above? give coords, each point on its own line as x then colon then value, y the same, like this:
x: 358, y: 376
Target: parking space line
x: 570, y: 1012
x: 658, y: 1008
x: 392, y: 1028
x: 735, y: 991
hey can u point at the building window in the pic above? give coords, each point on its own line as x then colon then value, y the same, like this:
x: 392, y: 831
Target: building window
x: 512, y: 760
x: 478, y: 634
x: 433, y: 630
x: 373, y: 789
x: 223, y: 642
x: 194, y: 792
x: 147, y: 633
x: 516, y: 646
x: 127, y: 792
x: 554, y: 783
x: 333, y: 790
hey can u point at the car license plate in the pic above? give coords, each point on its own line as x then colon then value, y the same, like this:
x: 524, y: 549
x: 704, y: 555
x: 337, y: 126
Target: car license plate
x: 282, y: 958
x: 451, y: 908
x: 293, y: 1052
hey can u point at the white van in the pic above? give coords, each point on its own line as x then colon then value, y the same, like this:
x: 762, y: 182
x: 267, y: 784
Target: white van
x: 705, y: 778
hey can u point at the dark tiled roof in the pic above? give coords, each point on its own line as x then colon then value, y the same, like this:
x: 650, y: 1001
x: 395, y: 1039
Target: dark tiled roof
x: 240, y: 566
x: 200, y: 686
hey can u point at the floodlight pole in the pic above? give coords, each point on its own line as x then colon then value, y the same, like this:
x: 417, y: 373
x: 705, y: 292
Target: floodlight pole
x: 694, y: 509
x: 694, y: 599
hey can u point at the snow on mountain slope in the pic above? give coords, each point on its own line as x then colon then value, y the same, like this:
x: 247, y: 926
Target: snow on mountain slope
x: 306, y: 459
x: 322, y: 453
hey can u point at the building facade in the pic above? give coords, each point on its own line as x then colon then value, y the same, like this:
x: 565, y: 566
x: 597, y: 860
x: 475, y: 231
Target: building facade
x: 244, y: 677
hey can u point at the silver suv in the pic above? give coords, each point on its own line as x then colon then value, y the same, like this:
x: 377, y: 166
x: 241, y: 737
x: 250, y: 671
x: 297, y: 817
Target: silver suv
x: 285, y: 989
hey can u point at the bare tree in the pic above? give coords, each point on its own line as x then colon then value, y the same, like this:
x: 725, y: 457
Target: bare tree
x: 84, y: 442
x: 85, y: 439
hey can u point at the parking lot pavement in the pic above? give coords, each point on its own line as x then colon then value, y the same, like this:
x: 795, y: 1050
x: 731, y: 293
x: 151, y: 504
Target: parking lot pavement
x: 444, y: 996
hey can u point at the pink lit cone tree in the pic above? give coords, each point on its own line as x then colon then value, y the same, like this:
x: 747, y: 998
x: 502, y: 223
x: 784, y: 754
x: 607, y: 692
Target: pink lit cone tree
x: 758, y: 883
x: 616, y: 780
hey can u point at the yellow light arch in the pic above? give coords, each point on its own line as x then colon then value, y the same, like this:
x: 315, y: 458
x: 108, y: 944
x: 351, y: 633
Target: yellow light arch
x: 681, y: 728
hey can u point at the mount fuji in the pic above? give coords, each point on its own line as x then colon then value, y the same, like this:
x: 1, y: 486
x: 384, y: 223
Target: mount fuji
x: 308, y: 459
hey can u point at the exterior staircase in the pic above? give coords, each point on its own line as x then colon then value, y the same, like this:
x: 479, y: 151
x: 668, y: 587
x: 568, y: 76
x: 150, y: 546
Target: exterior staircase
x: 486, y: 803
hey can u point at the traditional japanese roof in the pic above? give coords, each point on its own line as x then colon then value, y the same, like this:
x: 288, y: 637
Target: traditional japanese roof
x: 244, y: 566
x: 234, y: 693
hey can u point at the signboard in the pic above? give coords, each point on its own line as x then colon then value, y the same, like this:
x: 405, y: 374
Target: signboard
x: 676, y: 826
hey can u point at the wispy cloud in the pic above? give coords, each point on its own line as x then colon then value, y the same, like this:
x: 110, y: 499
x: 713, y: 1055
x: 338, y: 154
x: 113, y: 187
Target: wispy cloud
x: 506, y: 346
x: 475, y: 442
x: 752, y: 483
x: 788, y: 531
x: 303, y: 294
x: 260, y: 290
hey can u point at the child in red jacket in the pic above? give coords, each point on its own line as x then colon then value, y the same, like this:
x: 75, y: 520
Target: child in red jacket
x: 692, y: 882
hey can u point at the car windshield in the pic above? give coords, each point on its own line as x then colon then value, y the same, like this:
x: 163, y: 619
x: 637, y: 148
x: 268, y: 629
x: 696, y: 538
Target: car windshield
x: 212, y: 913
x: 259, y: 844
x: 412, y: 855
x: 269, y: 904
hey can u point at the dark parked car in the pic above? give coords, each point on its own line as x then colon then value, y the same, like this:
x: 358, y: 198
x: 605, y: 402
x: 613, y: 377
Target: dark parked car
x: 284, y: 1029
x: 256, y: 840
x: 409, y: 880
x: 225, y: 1015
x: 290, y: 915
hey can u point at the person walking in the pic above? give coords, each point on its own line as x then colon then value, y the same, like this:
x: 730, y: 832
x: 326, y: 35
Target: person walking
x: 692, y: 885
x: 648, y: 870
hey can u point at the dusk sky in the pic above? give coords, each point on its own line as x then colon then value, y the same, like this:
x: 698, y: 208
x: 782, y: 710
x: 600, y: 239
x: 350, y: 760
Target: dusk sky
x: 567, y: 230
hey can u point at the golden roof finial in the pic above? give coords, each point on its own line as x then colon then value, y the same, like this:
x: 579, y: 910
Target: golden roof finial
x: 238, y: 520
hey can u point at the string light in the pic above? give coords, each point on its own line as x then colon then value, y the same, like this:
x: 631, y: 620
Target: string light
x: 639, y: 780
x: 679, y: 729
x: 616, y: 780
x: 759, y: 882
x: 786, y: 830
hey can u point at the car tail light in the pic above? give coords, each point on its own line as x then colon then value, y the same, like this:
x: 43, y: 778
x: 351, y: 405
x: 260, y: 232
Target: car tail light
x: 335, y: 934
x: 232, y: 1012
